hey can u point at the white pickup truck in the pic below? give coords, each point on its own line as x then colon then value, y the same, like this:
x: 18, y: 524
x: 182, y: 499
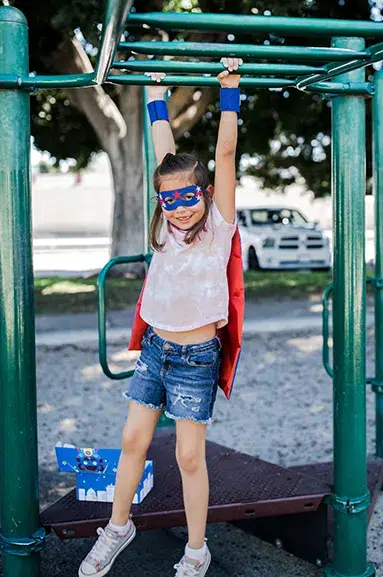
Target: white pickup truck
x: 281, y: 238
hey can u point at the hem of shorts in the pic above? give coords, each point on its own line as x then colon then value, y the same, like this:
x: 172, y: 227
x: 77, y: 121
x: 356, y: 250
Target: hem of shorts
x: 139, y: 402
x: 221, y: 321
x: 202, y: 421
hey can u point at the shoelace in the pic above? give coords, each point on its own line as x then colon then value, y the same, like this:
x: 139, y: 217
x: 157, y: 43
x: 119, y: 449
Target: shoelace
x: 103, y: 545
x: 185, y: 570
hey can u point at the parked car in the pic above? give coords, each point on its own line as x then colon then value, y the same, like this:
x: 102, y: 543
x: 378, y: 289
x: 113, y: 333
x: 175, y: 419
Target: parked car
x: 281, y: 238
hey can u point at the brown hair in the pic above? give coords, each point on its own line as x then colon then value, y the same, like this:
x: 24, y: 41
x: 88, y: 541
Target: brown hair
x: 194, y: 171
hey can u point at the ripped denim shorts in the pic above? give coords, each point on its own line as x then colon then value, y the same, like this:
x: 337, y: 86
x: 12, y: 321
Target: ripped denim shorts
x: 181, y: 379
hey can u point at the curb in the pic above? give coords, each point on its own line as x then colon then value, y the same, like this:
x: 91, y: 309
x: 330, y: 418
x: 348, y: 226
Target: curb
x: 120, y: 336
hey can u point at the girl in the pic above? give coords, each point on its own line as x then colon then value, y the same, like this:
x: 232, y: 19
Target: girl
x: 185, y: 300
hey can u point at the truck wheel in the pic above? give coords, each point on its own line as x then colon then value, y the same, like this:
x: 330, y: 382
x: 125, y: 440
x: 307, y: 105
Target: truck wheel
x: 252, y: 259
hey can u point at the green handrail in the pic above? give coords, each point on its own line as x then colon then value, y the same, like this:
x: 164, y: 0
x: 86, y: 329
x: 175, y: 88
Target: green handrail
x: 101, y: 295
x: 377, y: 282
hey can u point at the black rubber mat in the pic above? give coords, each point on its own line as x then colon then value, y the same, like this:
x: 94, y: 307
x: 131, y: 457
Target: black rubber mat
x: 242, y: 487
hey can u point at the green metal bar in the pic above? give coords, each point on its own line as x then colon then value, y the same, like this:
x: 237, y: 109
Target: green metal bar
x: 114, y: 23
x: 352, y: 88
x: 74, y: 81
x: 377, y: 131
x: 373, y: 54
x: 350, y: 497
x: 143, y: 80
x: 150, y: 163
x: 293, y: 53
x: 258, y: 24
x: 101, y: 293
x: 360, y: 88
x: 39, y: 82
x: 376, y: 282
x: 21, y: 538
x: 178, y: 67
x: 326, y: 331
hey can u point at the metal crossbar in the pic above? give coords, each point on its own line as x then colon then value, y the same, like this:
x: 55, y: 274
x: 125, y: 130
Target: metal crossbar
x: 283, y: 25
x: 215, y: 67
x: 255, y: 51
x: 300, y: 68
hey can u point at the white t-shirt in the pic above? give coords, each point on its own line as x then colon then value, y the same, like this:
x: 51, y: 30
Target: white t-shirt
x: 186, y: 286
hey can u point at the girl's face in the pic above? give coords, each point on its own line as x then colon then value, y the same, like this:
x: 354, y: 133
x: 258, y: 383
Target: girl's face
x: 184, y: 217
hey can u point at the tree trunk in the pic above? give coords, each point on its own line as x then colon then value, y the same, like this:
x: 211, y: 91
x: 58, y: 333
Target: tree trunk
x: 126, y: 157
x: 120, y: 135
x: 119, y: 129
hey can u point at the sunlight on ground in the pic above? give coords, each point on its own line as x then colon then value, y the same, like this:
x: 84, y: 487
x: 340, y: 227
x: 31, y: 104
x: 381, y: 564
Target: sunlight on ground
x: 308, y: 344
x: 68, y: 425
x: 316, y: 308
x: 125, y: 355
x: 68, y: 287
x: 128, y: 358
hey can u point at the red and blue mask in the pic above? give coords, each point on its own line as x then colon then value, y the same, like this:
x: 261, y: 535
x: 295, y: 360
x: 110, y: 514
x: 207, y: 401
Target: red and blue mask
x: 187, y: 196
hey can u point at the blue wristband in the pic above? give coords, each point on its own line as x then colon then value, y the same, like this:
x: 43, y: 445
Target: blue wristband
x: 230, y: 99
x: 158, y: 110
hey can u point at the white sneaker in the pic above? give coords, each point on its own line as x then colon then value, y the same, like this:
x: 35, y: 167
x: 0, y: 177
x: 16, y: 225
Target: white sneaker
x: 104, y: 552
x: 190, y: 568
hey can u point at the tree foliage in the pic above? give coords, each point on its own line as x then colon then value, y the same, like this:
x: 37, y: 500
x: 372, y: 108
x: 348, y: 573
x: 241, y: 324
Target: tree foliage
x: 279, y: 129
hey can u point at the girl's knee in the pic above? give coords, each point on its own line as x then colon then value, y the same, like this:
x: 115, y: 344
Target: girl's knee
x: 189, y: 459
x: 134, y: 442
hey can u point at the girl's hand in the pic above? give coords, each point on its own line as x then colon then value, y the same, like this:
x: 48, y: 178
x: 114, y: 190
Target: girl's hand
x: 156, y: 92
x: 226, y: 79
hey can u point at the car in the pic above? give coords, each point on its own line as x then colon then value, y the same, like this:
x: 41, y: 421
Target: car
x: 281, y: 238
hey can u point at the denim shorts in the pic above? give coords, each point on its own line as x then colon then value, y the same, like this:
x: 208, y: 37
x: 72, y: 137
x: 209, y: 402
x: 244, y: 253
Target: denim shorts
x: 181, y: 379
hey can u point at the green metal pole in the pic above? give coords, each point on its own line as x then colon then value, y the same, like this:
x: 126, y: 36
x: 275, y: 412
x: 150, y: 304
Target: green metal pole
x: 150, y: 163
x: 114, y: 21
x: 377, y: 131
x: 20, y: 537
x: 350, y: 499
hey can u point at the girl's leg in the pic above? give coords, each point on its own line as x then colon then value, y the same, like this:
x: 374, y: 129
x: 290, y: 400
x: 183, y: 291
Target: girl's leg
x: 136, y: 438
x: 120, y: 531
x: 191, y: 459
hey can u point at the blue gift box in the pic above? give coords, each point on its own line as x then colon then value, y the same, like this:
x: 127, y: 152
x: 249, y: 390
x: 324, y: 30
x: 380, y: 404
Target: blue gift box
x: 96, y: 472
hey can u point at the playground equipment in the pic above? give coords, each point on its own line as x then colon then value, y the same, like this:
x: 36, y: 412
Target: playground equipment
x: 288, y: 504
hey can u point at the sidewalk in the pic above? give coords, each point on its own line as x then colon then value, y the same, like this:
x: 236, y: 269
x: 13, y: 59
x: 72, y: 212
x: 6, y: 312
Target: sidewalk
x: 265, y: 316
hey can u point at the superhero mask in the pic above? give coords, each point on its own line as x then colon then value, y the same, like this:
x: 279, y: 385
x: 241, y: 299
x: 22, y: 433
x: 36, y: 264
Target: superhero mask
x: 187, y: 196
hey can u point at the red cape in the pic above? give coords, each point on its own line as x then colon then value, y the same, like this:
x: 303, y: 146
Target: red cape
x: 231, y: 334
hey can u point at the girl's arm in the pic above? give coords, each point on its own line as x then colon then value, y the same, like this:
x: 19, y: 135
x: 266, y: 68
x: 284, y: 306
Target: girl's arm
x: 162, y: 135
x: 225, y: 173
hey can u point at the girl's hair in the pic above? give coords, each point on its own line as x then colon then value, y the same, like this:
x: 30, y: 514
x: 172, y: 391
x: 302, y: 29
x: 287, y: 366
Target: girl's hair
x: 195, y: 172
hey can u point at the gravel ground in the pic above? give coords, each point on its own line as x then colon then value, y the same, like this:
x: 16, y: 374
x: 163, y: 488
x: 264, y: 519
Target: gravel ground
x: 281, y: 411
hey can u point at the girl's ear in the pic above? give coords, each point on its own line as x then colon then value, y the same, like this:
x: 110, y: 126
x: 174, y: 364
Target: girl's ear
x: 210, y: 190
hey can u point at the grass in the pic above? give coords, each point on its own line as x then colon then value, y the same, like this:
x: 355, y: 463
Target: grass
x: 58, y: 295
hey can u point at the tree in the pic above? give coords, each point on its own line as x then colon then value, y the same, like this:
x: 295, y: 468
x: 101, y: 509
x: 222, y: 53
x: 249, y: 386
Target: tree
x: 75, y: 123
x: 284, y: 134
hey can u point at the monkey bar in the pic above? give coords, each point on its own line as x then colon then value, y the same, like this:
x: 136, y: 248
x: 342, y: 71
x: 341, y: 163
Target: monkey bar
x: 301, y: 67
